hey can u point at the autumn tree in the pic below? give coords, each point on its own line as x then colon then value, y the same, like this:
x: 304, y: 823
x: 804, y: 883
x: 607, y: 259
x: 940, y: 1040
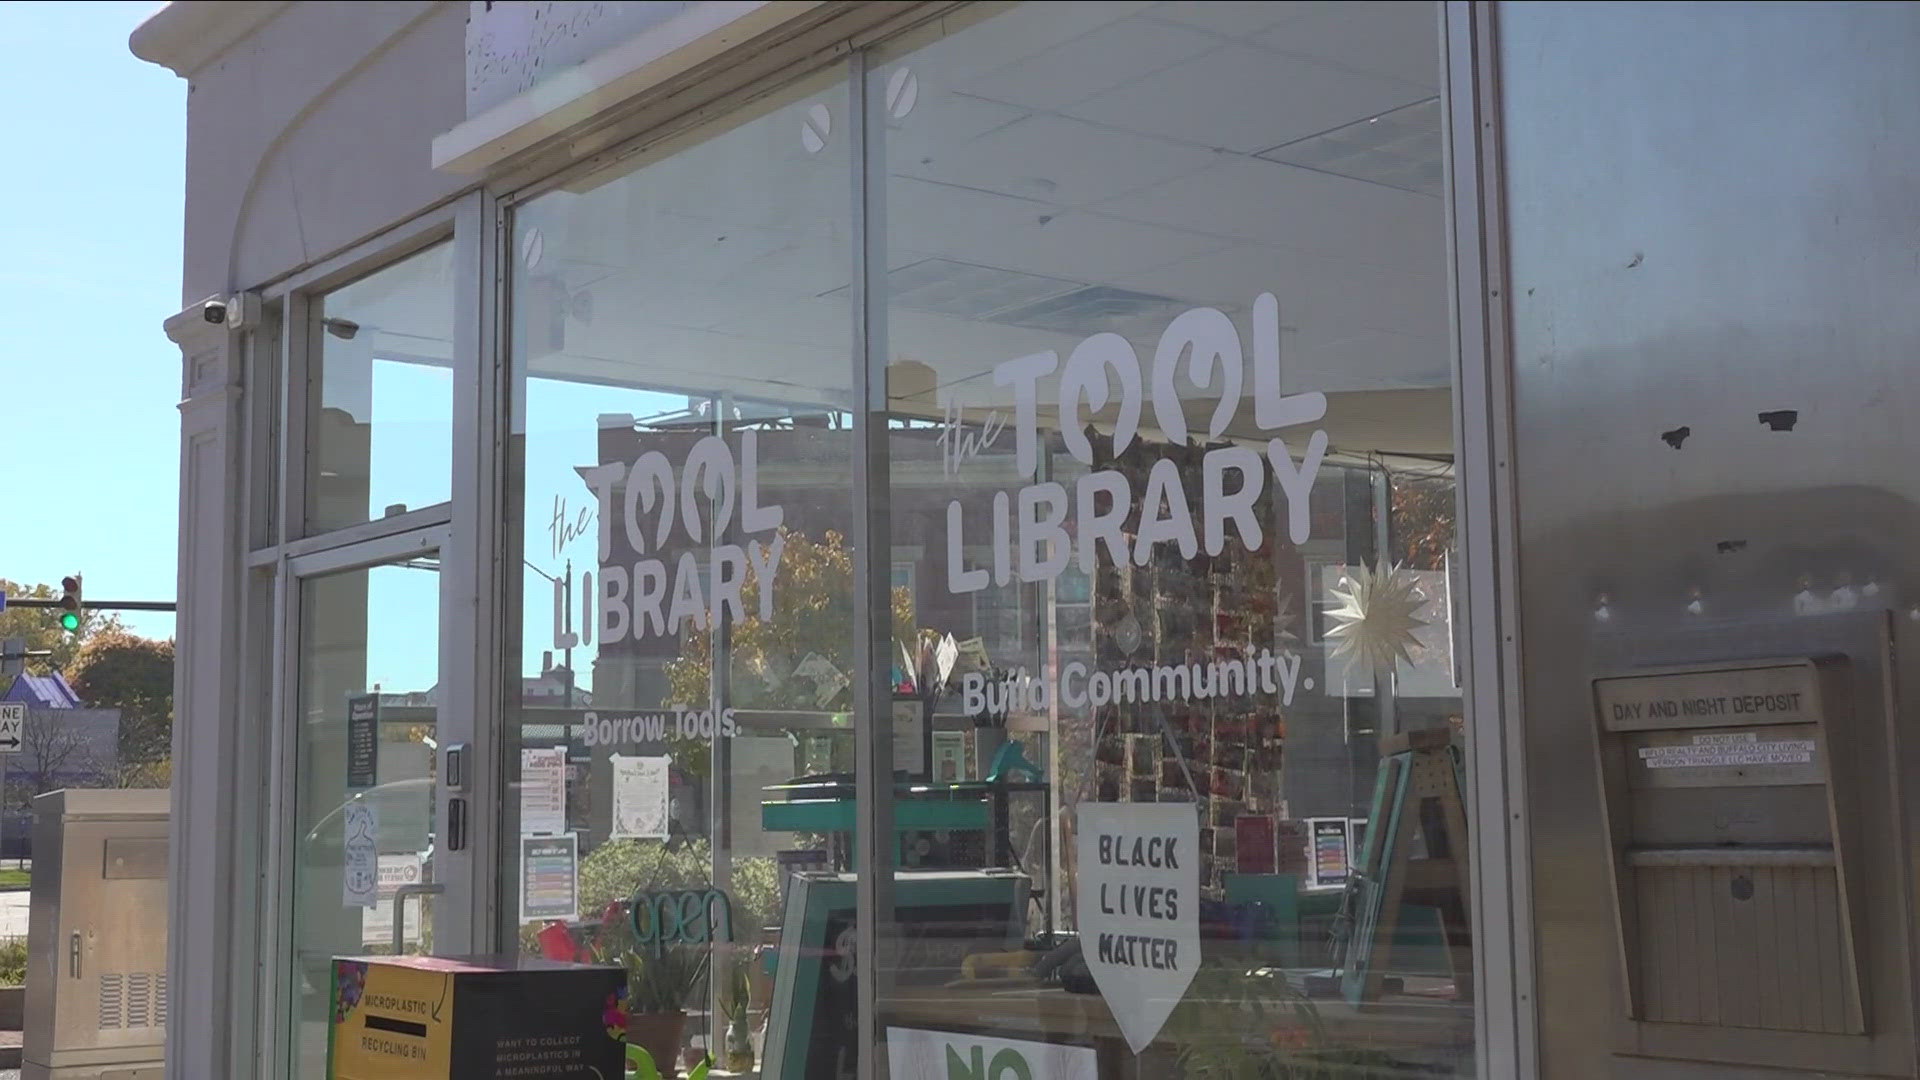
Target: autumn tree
x: 115, y: 669
x: 1423, y: 520
x: 813, y: 598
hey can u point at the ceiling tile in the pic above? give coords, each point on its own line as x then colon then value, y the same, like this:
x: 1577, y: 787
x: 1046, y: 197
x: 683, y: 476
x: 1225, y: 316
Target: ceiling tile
x: 1315, y: 213
x: 1060, y: 161
x: 1228, y: 18
x: 1245, y: 99
x: 1012, y: 36
x: 1398, y: 39
x: 1096, y: 60
x: 1314, y: 291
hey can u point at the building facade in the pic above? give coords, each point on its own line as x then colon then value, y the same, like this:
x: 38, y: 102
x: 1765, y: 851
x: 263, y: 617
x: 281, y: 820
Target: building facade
x: 1124, y: 539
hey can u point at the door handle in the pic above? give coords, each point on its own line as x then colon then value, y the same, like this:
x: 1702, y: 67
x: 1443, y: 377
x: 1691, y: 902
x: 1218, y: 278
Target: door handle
x: 399, y: 912
x: 73, y: 955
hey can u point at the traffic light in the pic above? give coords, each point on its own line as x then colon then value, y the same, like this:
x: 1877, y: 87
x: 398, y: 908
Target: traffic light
x: 70, y: 603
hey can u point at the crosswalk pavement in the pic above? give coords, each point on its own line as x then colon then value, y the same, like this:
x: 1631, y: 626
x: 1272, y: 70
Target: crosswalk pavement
x: 13, y: 913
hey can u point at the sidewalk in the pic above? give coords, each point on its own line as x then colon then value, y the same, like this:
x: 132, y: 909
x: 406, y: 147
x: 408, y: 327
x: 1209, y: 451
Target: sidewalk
x: 13, y: 913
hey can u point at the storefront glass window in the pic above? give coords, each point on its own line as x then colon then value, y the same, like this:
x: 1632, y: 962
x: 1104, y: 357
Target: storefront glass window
x: 1175, y: 713
x: 1169, y: 379
x: 682, y: 347
x: 381, y: 425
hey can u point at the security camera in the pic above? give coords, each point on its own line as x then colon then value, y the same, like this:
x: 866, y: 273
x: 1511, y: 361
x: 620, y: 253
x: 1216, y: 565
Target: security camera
x: 214, y: 311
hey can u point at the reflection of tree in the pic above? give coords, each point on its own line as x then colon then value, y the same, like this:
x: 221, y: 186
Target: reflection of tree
x: 119, y: 670
x: 813, y: 602
x: 53, y: 754
x: 1423, y: 520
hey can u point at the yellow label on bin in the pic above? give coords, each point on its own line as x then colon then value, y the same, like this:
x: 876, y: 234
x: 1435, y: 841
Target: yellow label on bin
x: 390, y: 1022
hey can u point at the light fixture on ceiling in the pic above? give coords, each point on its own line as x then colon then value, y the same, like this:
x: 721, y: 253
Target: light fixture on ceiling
x: 1012, y: 298
x: 1399, y: 148
x: 344, y: 329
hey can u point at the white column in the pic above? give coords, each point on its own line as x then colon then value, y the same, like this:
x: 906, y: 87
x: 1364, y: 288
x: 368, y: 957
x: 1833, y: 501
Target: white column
x: 204, y: 833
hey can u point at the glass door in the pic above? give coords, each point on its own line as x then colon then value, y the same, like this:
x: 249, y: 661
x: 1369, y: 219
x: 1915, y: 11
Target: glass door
x: 365, y: 814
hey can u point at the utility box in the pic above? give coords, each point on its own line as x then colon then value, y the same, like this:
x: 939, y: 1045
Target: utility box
x: 1734, y: 842
x: 96, y: 1003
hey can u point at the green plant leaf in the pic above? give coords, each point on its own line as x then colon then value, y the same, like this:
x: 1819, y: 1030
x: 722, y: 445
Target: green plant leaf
x: 640, y: 1064
x: 701, y: 1070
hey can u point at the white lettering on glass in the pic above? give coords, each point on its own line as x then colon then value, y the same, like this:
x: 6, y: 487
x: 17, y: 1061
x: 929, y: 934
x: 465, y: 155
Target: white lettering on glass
x: 1031, y: 535
x: 703, y: 497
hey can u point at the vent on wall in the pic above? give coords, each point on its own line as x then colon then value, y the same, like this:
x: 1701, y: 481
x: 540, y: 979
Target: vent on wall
x: 133, y: 1000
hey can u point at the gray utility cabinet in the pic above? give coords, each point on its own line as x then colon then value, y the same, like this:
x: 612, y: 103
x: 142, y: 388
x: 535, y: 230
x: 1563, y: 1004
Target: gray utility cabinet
x: 97, y: 946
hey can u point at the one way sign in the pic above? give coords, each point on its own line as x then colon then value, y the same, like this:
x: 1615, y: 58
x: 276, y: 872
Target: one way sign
x: 13, y: 721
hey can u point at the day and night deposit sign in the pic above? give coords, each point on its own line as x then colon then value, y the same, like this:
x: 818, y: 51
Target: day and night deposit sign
x: 1780, y: 693
x: 1753, y: 724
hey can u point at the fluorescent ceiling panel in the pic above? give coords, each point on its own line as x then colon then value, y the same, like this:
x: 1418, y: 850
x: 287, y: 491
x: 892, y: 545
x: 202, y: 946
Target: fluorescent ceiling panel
x: 1399, y: 148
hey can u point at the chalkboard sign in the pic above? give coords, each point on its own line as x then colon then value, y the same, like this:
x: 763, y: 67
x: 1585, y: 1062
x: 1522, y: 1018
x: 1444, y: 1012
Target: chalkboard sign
x: 941, y: 917
x: 363, y: 741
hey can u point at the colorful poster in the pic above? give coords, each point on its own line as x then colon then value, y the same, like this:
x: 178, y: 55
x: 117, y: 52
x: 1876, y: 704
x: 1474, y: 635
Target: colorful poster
x: 1330, y: 859
x: 1139, y: 908
x: 360, y: 842
x: 549, y: 878
x: 543, y: 791
x: 640, y: 793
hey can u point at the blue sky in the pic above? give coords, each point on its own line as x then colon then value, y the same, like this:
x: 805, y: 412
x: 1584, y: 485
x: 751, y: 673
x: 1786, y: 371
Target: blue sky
x: 90, y: 213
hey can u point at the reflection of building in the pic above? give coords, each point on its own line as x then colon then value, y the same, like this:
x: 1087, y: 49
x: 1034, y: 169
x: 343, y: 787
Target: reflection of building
x: 64, y: 743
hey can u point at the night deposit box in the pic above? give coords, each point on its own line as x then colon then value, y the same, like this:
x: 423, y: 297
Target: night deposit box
x: 1731, y: 843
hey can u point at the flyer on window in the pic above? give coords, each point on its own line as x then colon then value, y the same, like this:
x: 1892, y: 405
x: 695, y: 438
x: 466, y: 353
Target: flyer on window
x: 543, y: 791
x: 640, y: 792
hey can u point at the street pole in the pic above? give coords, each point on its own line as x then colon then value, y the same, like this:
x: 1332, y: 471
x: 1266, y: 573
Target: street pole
x: 568, y: 660
x: 92, y: 605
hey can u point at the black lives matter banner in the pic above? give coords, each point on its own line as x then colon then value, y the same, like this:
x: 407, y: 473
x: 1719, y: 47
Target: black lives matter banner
x: 1139, y: 908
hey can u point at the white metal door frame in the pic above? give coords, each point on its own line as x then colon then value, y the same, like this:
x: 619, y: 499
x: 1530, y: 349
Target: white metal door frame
x: 455, y: 530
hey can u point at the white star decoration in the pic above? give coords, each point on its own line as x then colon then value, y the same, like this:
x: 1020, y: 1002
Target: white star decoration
x: 1283, y: 615
x: 1375, y: 622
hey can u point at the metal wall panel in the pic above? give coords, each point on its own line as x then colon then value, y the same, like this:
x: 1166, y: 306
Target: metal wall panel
x: 1713, y: 214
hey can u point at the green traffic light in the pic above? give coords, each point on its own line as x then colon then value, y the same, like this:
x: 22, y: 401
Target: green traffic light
x: 69, y: 621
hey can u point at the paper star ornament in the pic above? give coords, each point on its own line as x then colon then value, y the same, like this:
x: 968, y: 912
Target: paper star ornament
x: 1375, y: 621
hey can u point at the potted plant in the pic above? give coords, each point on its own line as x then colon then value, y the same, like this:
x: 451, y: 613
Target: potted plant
x: 736, y: 998
x: 657, y: 990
